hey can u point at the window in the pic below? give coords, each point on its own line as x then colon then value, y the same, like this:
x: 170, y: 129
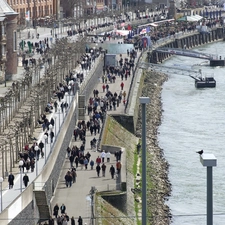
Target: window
x: 14, y: 41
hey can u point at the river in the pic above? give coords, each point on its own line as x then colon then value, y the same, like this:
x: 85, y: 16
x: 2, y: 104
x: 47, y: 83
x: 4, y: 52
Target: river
x: 194, y: 119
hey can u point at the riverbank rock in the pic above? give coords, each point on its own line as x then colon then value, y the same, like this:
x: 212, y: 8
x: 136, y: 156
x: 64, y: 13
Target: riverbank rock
x: 158, y: 187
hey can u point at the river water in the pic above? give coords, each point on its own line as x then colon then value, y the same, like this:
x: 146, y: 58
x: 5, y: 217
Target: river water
x: 194, y: 119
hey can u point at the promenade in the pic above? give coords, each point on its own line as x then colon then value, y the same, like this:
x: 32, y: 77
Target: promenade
x: 77, y: 198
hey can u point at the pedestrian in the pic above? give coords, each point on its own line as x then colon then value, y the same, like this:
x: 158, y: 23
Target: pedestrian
x: 46, y: 133
x: 41, y: 146
x: 74, y: 174
x: 64, y: 221
x: 72, y: 221
x: 124, y: 94
x: 68, y: 179
x: 11, y: 180
x: 71, y: 158
x: 103, y: 155
x: 56, y: 106
x: 122, y: 85
x: 103, y: 87
x: 112, y: 171
x: 59, y: 220
x: 98, y: 160
x: 56, y: 210
x: 51, y: 221
x: 98, y: 168
x: 85, y: 163
x: 63, y: 209
x: 52, y: 136
x: 92, y: 164
x: 80, y: 221
x: 118, y: 167
x: 103, y: 169
x: 25, y: 180
x: 76, y: 161
x: 108, y: 154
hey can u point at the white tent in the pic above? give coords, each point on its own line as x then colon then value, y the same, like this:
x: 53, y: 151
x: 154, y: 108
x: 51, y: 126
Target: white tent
x: 122, y: 32
x: 194, y: 18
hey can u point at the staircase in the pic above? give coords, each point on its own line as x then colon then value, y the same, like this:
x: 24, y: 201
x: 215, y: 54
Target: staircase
x: 42, y: 205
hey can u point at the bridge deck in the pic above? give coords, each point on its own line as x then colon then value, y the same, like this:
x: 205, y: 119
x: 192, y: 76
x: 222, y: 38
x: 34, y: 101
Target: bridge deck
x: 188, y: 53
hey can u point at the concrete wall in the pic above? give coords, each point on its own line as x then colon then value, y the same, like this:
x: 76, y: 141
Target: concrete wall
x: 116, y: 199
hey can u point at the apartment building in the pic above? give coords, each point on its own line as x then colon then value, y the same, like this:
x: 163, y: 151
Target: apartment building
x: 8, y: 41
x: 32, y: 10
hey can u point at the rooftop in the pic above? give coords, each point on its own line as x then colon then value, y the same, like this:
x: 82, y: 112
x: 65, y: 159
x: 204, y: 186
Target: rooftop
x: 5, y: 9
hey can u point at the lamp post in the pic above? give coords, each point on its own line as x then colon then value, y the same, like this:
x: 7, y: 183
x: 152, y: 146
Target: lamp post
x: 210, y: 161
x: 143, y: 102
x: 20, y: 166
x: 45, y: 138
x: 1, y: 180
x: 36, y: 150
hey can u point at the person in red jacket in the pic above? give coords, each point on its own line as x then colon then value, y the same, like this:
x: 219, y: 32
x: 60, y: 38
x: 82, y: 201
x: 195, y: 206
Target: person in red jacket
x: 98, y: 160
x: 122, y: 85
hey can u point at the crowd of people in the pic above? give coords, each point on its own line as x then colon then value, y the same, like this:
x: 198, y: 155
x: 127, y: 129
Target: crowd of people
x: 62, y: 218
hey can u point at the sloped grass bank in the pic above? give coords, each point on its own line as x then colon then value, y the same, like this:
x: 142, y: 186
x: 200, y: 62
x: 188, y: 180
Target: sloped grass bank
x: 116, y: 135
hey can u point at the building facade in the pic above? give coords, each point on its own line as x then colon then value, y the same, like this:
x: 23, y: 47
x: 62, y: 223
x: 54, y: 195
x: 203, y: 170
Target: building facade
x: 32, y: 10
x: 8, y: 41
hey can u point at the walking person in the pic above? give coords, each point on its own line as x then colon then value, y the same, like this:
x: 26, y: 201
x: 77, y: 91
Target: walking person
x: 80, y: 221
x: 98, y: 168
x: 122, y: 86
x: 63, y: 209
x: 56, y: 210
x: 108, y: 154
x: 118, y: 167
x: 51, y: 221
x: 11, y: 180
x: 92, y: 164
x: 74, y: 175
x: 103, y: 155
x: 52, y: 136
x: 112, y: 171
x: 103, y: 169
x: 25, y: 180
x: 72, y: 221
x: 41, y: 146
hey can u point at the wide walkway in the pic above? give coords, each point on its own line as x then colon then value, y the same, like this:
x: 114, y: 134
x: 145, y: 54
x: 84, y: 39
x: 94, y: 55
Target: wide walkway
x: 10, y: 194
x: 77, y: 198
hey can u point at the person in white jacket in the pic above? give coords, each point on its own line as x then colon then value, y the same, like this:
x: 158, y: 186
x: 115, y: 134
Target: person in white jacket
x: 103, y: 155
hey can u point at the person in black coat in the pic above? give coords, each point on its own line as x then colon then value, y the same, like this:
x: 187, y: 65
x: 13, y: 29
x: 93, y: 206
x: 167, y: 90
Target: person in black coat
x: 56, y: 210
x: 98, y: 168
x: 72, y: 221
x: 41, y: 146
x: 80, y: 221
x: 25, y: 180
x: 52, y: 136
x: 11, y: 180
x: 112, y: 171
